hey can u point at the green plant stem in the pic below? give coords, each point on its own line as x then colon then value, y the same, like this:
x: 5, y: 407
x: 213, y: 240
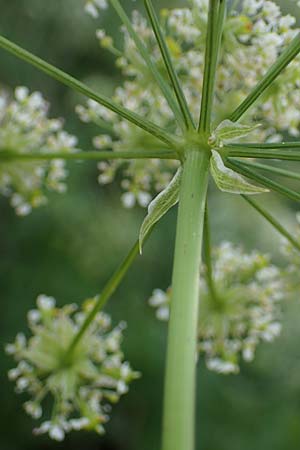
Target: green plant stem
x: 91, y: 155
x: 262, y: 153
x: 281, y: 63
x: 180, y: 379
x: 208, y: 259
x: 169, y: 65
x: 274, y: 222
x: 107, y: 292
x: 78, y: 86
x: 216, y: 17
x: 261, y: 179
x: 164, y: 87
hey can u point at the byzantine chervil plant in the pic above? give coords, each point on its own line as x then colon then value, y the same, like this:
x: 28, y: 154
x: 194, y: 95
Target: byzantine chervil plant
x: 208, y: 90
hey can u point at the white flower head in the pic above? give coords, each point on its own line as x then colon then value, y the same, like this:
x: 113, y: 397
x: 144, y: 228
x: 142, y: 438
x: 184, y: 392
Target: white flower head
x: 25, y: 128
x: 254, y: 36
x: 243, y: 311
x: 95, y: 374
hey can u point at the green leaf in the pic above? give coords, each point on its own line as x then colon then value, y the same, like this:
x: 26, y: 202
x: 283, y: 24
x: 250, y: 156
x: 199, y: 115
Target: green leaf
x: 228, y: 131
x: 229, y: 181
x: 160, y: 206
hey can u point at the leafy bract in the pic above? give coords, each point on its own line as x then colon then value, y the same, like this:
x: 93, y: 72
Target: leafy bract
x: 160, y: 205
x: 228, y: 131
x: 229, y: 181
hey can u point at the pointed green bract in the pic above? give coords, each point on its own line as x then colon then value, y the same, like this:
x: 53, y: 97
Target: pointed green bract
x: 160, y: 206
x: 228, y: 131
x: 229, y: 181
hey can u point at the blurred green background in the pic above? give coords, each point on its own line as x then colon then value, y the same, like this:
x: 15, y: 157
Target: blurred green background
x: 69, y: 248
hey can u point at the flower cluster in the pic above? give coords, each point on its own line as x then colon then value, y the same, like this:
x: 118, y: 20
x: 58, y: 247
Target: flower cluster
x: 243, y: 310
x: 83, y: 381
x: 25, y: 128
x: 253, y: 38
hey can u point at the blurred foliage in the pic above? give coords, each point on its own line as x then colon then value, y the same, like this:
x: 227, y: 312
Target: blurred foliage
x: 69, y: 248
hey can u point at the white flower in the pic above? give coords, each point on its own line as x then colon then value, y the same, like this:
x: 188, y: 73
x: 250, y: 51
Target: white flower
x: 144, y: 198
x: 33, y: 409
x: 79, y: 424
x: 33, y: 316
x: 158, y: 298
x: 13, y: 374
x: 45, y: 303
x: 92, y: 7
x: 128, y: 199
x: 22, y: 384
x: 220, y: 366
x: 21, y: 93
x: 57, y: 433
x: 251, y: 7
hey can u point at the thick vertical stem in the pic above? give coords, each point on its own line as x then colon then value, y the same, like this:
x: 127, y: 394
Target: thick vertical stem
x: 180, y: 380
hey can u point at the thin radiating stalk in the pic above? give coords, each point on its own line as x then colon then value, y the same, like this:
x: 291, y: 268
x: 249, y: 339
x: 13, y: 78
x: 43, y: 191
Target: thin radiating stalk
x: 164, y: 87
x: 261, y: 179
x: 169, y: 65
x: 275, y: 70
x: 269, y: 145
x: 107, y: 292
x: 262, y: 153
x: 88, y: 156
x: 273, y: 170
x: 78, y: 86
x: 180, y: 379
x: 217, y: 14
x: 273, y: 221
